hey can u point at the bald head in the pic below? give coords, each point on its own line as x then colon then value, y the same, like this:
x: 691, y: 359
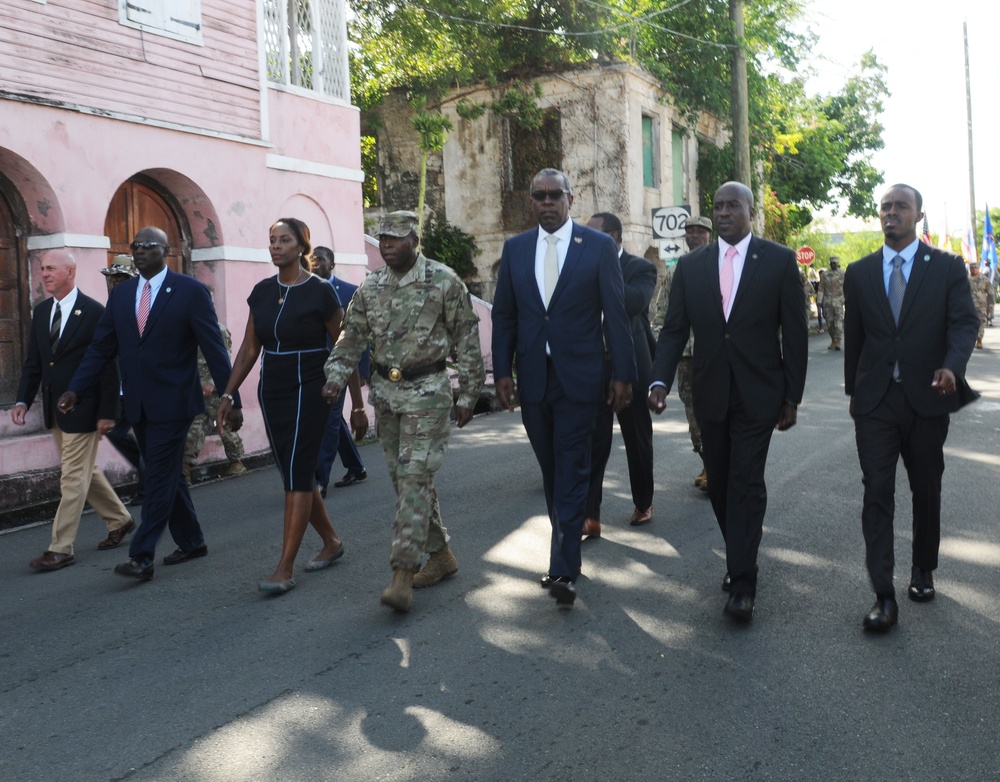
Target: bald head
x: 58, y: 272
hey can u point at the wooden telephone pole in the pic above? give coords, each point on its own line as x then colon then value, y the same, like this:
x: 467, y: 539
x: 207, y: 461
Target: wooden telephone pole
x: 740, y: 100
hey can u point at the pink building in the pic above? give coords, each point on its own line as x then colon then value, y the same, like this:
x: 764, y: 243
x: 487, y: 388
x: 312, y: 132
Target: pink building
x: 207, y: 118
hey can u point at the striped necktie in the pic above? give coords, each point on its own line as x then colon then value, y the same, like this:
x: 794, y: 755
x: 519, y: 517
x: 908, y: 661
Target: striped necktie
x: 143, y: 313
x: 54, y: 331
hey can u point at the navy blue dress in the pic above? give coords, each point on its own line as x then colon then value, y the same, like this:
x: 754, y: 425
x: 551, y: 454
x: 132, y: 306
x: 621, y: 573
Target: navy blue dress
x: 290, y: 322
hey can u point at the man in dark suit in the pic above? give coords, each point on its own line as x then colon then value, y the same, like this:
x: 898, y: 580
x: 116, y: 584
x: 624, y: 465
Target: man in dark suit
x: 338, y: 438
x: 639, y: 278
x: 155, y: 324
x: 61, y: 329
x: 909, y: 328
x: 742, y: 298
x: 555, y: 284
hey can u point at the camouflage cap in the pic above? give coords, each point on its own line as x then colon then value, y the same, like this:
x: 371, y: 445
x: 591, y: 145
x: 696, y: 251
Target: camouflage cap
x: 701, y: 222
x: 398, y: 224
x: 123, y: 265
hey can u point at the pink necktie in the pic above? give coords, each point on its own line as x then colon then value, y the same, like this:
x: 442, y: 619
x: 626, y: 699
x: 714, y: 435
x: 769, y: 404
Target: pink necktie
x: 144, y: 307
x: 726, y: 279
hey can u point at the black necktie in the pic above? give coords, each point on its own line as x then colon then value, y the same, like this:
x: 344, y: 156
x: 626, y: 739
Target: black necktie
x: 54, y: 331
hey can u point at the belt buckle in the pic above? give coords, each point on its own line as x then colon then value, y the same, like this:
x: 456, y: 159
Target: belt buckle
x: 395, y: 375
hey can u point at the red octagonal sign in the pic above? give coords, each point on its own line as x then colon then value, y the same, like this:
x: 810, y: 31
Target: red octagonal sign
x: 805, y: 255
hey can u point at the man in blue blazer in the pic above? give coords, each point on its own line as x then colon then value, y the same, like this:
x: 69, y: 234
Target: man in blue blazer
x: 155, y: 324
x: 559, y: 305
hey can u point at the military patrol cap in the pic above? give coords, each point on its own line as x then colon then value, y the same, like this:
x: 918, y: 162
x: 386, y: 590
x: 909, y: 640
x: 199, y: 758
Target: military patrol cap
x: 398, y: 224
x: 123, y: 265
x: 702, y: 222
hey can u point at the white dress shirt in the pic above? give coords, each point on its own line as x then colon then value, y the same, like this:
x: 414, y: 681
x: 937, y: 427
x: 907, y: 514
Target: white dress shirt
x: 564, y: 234
x: 155, y: 283
x: 65, y: 310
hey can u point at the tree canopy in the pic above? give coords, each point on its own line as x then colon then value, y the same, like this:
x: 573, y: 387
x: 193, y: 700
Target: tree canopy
x: 813, y: 150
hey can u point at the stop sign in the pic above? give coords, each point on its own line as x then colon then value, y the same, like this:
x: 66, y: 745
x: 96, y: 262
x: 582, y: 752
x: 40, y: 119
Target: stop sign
x: 805, y: 255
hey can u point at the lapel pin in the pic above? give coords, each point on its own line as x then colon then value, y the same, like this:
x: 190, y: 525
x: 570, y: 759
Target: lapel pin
x: 168, y: 290
x: 927, y: 258
x: 578, y: 239
x: 77, y: 312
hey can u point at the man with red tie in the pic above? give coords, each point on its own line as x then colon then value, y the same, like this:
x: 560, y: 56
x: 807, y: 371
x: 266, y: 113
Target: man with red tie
x: 155, y: 324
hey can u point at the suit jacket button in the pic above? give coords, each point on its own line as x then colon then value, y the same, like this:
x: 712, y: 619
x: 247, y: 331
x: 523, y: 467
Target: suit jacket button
x: 546, y: 317
x: 52, y: 363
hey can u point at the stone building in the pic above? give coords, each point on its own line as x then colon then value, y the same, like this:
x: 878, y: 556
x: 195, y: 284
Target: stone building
x: 610, y: 127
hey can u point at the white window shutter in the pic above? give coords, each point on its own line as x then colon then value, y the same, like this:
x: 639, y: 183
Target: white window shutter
x: 145, y: 12
x: 182, y: 17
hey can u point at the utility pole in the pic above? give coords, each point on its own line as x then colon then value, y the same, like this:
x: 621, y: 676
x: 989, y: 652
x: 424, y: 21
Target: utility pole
x: 968, y: 112
x: 740, y: 100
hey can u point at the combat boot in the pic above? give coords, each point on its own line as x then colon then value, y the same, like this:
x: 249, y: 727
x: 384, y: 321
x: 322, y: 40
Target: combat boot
x: 440, y: 565
x: 979, y: 343
x: 399, y: 595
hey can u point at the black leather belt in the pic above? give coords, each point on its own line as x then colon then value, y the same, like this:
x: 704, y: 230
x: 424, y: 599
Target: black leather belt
x: 395, y: 374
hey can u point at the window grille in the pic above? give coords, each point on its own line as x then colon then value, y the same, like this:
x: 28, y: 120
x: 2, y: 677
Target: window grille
x: 306, y: 43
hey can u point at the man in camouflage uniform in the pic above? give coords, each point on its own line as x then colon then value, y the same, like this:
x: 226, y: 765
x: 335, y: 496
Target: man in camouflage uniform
x: 697, y: 233
x: 982, y: 295
x: 416, y: 312
x: 831, y: 295
x: 205, y: 423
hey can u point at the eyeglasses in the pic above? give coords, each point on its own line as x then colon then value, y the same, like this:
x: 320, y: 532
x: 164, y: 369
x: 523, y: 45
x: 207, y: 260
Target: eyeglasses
x: 551, y: 195
x: 145, y: 245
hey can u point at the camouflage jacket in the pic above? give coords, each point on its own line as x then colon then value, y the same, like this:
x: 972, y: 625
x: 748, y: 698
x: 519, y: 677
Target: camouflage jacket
x: 982, y: 291
x: 412, y: 321
x: 204, y: 376
x: 831, y: 286
x: 661, y: 309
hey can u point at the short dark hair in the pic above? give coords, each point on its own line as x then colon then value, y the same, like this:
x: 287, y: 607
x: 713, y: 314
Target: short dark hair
x: 916, y: 194
x: 609, y: 222
x: 302, y: 236
x: 325, y: 252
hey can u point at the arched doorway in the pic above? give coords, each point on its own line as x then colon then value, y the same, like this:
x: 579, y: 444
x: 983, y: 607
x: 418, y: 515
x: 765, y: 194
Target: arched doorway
x: 139, y: 203
x: 13, y: 302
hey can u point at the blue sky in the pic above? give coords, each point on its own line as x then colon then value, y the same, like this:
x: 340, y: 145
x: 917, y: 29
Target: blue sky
x: 925, y: 119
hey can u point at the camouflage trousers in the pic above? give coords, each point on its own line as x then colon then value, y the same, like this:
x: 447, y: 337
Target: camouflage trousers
x: 414, y: 444
x: 834, y: 311
x: 204, y: 423
x: 684, y: 375
x: 983, y: 314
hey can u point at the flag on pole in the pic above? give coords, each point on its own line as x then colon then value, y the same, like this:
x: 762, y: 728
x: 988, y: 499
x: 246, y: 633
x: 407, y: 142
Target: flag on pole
x: 968, y: 249
x: 926, y: 238
x: 988, y: 260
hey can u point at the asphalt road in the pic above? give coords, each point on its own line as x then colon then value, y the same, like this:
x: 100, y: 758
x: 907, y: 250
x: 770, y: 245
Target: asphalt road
x: 195, y: 676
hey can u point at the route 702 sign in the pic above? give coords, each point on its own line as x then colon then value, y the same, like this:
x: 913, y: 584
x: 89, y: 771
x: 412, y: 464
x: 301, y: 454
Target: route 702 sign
x: 669, y: 223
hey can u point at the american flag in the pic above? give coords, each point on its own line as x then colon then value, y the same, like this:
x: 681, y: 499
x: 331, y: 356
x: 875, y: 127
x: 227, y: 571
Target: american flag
x: 926, y: 238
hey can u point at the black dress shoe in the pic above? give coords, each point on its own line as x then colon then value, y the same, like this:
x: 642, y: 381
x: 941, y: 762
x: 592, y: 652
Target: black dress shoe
x: 133, y: 568
x: 563, y: 591
x: 351, y: 478
x: 545, y: 581
x: 884, y: 614
x: 921, y: 585
x: 739, y: 606
x: 727, y: 582
x: 180, y: 555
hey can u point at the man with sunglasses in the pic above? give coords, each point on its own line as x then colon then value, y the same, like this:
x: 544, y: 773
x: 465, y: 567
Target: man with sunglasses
x: 155, y: 324
x: 559, y: 292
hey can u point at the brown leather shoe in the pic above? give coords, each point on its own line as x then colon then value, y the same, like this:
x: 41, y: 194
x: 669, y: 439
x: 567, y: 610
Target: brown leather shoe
x: 116, y: 536
x: 702, y: 478
x: 640, y: 517
x: 591, y: 528
x: 51, y: 560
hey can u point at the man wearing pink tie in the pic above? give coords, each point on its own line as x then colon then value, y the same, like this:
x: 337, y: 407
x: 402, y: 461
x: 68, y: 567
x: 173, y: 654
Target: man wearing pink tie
x: 742, y: 298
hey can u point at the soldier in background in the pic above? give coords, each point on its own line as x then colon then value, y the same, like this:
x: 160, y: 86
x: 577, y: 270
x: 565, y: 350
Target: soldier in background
x: 416, y: 312
x: 982, y: 295
x: 697, y: 233
x: 831, y: 296
x: 205, y: 423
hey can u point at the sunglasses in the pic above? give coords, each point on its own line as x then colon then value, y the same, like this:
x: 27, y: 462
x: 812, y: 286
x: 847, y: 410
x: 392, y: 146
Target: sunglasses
x: 145, y: 245
x: 551, y: 195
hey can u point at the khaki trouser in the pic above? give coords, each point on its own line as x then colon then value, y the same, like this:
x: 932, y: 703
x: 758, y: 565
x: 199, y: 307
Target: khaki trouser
x: 81, y: 482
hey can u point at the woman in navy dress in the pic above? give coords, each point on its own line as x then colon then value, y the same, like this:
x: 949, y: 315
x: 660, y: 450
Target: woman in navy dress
x: 291, y: 316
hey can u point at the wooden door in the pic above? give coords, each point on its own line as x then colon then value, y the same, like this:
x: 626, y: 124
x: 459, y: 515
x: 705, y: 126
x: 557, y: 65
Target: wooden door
x: 137, y: 205
x: 11, y: 305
